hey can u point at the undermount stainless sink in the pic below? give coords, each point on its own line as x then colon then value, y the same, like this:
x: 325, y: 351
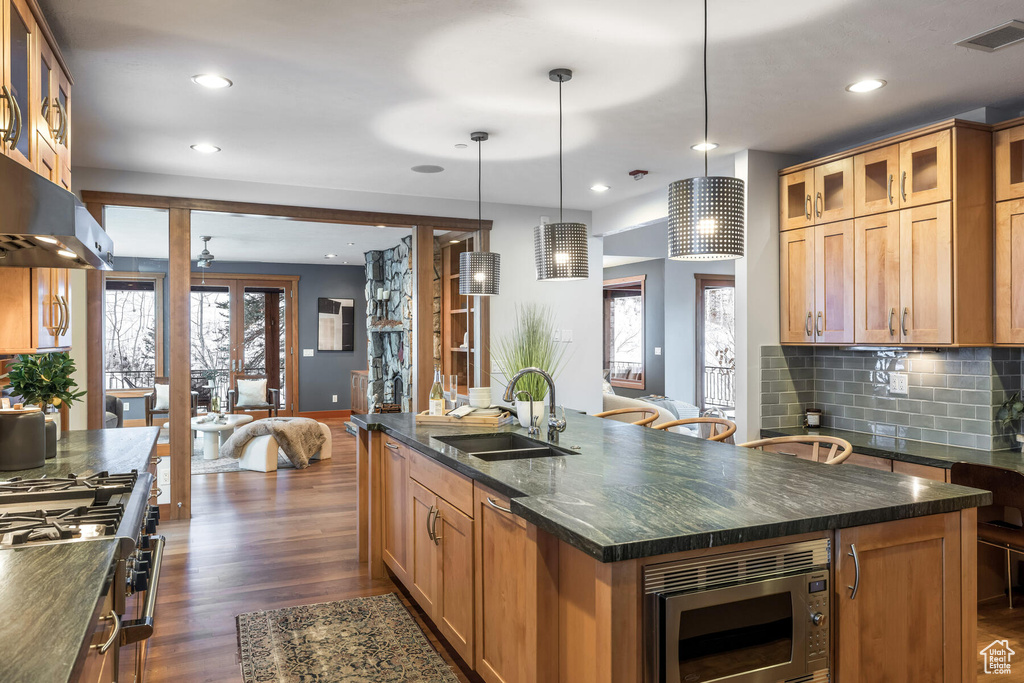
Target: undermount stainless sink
x: 507, y: 446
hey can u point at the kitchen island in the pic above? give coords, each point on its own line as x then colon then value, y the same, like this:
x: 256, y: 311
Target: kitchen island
x: 532, y: 568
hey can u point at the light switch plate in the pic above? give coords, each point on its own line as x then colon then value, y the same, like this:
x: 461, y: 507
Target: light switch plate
x: 898, y: 383
x: 556, y: 336
x: 127, y: 407
x: 567, y: 336
x: 334, y: 398
x: 657, y: 350
x: 308, y: 353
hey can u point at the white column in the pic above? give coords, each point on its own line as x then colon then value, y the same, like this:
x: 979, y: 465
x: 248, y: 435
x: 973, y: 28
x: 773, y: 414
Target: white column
x: 757, y: 283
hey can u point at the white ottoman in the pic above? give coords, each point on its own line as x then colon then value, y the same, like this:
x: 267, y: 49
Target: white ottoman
x: 260, y: 454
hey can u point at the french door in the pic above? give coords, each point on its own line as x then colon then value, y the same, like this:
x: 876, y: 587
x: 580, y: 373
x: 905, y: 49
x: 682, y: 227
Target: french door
x: 243, y: 328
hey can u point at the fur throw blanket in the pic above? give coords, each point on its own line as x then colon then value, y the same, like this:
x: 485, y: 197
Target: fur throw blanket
x: 300, y: 438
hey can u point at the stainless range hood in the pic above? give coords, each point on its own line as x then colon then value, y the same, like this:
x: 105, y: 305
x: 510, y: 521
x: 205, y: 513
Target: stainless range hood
x: 43, y: 225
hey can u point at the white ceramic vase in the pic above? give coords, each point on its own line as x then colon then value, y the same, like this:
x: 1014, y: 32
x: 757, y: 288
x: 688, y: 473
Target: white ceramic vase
x: 523, y: 409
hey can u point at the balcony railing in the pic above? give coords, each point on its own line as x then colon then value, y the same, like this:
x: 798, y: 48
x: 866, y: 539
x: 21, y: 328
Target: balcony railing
x: 719, y: 387
x: 625, y: 371
x: 130, y: 379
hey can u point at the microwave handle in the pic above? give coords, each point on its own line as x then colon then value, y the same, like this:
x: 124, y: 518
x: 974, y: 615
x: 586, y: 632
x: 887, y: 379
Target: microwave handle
x: 856, y: 571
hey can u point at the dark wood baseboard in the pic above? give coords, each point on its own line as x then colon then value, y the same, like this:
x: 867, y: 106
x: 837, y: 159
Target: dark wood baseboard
x: 330, y: 414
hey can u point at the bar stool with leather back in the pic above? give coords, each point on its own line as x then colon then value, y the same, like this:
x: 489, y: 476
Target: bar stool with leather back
x: 1007, y: 487
x: 710, y: 428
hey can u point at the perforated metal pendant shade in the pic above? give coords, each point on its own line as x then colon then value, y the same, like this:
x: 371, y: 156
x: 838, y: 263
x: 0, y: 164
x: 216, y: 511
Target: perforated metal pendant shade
x: 560, y: 251
x: 706, y: 219
x: 479, y: 273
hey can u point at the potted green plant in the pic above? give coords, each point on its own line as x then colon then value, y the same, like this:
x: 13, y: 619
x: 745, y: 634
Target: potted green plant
x: 45, y: 380
x: 530, y: 343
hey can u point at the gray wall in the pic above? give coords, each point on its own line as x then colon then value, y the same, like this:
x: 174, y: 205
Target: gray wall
x: 327, y: 372
x: 654, y: 322
x: 953, y: 398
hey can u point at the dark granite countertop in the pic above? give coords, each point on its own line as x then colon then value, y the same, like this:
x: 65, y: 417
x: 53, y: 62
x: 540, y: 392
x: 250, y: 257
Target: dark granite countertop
x: 85, y: 452
x: 50, y: 595
x: 636, y: 492
x: 919, y: 452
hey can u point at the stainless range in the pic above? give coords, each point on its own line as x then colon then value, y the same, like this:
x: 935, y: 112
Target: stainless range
x: 78, y: 509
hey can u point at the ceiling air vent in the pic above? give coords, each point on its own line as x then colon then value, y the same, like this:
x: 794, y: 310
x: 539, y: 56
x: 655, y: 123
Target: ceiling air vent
x: 996, y: 38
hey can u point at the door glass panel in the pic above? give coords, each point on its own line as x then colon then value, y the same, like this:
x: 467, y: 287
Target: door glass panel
x: 1017, y: 162
x: 876, y: 181
x: 44, y: 90
x: 926, y: 169
x: 211, y: 342
x: 724, y: 640
x: 19, y: 73
x: 717, y: 322
x: 263, y: 328
x: 833, y: 191
x: 795, y: 200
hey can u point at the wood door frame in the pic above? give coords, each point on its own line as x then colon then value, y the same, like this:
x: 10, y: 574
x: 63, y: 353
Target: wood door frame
x: 640, y: 384
x: 703, y: 280
x: 179, y: 286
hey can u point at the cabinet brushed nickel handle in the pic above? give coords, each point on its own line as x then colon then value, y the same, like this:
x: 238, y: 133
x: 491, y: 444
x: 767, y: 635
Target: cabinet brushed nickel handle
x: 430, y: 531
x: 388, y: 444
x: 44, y: 112
x: 433, y: 527
x: 5, y: 93
x: 67, y: 314
x: 62, y: 135
x: 891, y: 178
x: 892, y: 314
x: 113, y: 634
x: 156, y: 493
x: 856, y: 571
x: 498, y: 507
x: 807, y: 207
x: 817, y: 325
x: 17, y: 126
x: 903, y: 186
x: 818, y: 205
x: 807, y: 324
x: 903, y: 321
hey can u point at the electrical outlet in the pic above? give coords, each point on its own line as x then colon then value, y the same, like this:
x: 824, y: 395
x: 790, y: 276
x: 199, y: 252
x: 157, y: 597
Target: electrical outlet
x: 334, y: 398
x: 164, y: 477
x: 308, y: 353
x: 127, y: 407
x: 657, y: 350
x: 556, y: 336
x: 567, y: 336
x: 898, y: 383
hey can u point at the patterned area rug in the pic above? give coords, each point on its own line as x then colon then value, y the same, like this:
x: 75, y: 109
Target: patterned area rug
x: 363, y: 640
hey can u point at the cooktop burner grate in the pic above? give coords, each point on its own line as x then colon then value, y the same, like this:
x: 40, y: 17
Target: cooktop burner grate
x: 81, y: 522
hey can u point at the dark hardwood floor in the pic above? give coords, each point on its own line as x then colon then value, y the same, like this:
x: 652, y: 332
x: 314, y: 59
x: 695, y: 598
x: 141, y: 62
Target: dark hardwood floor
x: 258, y: 541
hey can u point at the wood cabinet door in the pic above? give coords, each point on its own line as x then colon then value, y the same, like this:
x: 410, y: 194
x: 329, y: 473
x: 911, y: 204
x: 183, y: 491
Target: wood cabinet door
x: 1010, y: 272
x: 833, y: 191
x: 926, y: 172
x: 833, y: 283
x: 516, y: 595
x: 47, y: 313
x: 877, y: 279
x: 876, y: 174
x: 18, y: 310
x: 796, y: 269
x: 63, y: 95
x: 1009, y: 160
x: 796, y: 200
x: 424, y: 553
x: 926, y: 275
x: 904, y: 623
x: 454, y: 615
x: 47, y: 114
x: 395, y: 483
x: 47, y: 164
x: 19, y: 37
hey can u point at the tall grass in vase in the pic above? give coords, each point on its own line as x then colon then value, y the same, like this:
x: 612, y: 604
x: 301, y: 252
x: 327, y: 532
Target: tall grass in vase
x: 529, y: 344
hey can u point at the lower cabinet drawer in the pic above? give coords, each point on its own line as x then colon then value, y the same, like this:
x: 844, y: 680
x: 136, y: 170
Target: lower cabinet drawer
x: 923, y: 471
x: 455, y: 488
x: 871, y: 461
x: 101, y: 667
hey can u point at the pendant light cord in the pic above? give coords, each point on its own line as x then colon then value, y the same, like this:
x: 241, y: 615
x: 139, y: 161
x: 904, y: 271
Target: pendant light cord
x: 479, y: 185
x: 560, y: 150
x: 705, y: 88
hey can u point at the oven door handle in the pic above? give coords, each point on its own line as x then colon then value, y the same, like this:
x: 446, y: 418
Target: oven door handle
x: 140, y: 629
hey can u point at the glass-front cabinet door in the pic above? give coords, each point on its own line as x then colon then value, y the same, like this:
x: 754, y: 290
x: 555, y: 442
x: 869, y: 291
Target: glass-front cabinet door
x: 19, y: 116
x: 1009, y: 153
x: 876, y: 175
x: 925, y: 169
x: 833, y: 191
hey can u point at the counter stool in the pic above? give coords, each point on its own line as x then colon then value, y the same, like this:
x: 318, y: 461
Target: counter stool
x: 643, y: 416
x: 834, y: 455
x: 1007, y: 487
x: 711, y: 428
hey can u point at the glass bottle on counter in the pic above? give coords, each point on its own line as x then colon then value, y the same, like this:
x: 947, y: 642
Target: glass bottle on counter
x: 437, y: 394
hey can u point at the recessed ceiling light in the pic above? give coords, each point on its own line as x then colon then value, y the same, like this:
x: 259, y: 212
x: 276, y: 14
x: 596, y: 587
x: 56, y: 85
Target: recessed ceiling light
x: 330, y: 256
x: 427, y: 168
x: 382, y: 226
x: 704, y: 146
x: 461, y: 145
x: 866, y: 85
x: 454, y: 241
x: 66, y: 254
x: 351, y: 244
x: 205, y: 148
x: 212, y: 81
x: 600, y: 188
x: 48, y: 240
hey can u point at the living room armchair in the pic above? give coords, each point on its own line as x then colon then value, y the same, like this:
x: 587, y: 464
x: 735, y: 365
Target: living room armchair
x: 252, y: 393
x: 158, y: 401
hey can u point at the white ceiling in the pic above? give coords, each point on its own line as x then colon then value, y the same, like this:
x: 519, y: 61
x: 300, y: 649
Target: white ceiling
x: 142, y: 233
x: 352, y: 94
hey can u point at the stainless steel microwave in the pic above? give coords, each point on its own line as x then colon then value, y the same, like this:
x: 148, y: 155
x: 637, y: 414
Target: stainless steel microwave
x: 756, y: 616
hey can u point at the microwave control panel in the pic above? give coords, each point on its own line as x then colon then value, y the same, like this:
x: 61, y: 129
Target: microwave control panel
x: 818, y: 614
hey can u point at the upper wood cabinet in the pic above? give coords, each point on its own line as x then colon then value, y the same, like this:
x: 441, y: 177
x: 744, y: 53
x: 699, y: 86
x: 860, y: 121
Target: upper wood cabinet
x: 796, y: 200
x: 35, y: 310
x: 817, y: 284
x: 1009, y: 154
x: 1010, y: 272
x: 818, y: 195
x: 875, y: 176
x: 35, y: 96
x: 922, y: 245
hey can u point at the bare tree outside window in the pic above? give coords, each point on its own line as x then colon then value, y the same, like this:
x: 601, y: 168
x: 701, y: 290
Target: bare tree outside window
x: 624, y: 331
x: 130, y: 338
x: 716, y: 342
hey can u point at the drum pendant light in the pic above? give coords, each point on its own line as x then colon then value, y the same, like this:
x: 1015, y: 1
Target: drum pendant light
x: 560, y: 249
x: 706, y: 215
x: 479, y: 271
